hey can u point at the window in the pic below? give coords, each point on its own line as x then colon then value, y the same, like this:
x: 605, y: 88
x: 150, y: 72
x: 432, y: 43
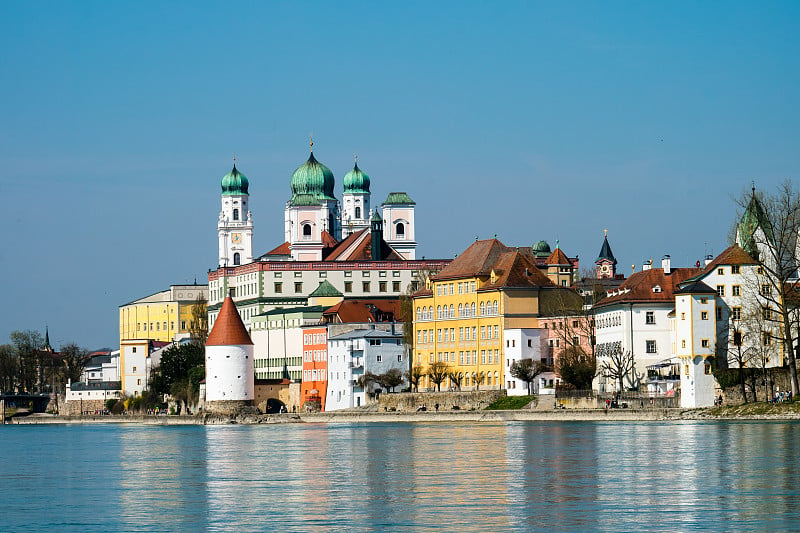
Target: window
x: 365, y: 273
x: 483, y: 332
x: 381, y: 273
x: 400, y: 230
x: 683, y: 343
x: 704, y: 343
x: 395, y: 286
x: 650, y: 317
x: 765, y: 290
x: 382, y: 286
x: 399, y: 358
x: 766, y: 313
x: 650, y: 346
x: 719, y: 313
x: 703, y: 300
x: 235, y: 214
x: 298, y: 287
x: 760, y: 270
x: 707, y: 369
x: 721, y: 271
x: 736, y: 313
x: 766, y: 338
x: 379, y: 358
x: 306, y: 232
x: 736, y: 290
x: 734, y: 269
x: 530, y: 343
x: 683, y: 316
x: 365, y: 286
x: 236, y: 258
x: 704, y: 315
x: 348, y: 286
x: 278, y: 287
x: 720, y: 290
x: 348, y: 274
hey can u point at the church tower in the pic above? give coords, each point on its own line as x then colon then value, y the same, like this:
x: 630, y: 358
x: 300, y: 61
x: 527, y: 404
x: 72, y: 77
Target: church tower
x: 235, y: 226
x: 695, y: 336
x: 606, y: 263
x: 398, y: 224
x: 356, y: 201
x: 312, y: 218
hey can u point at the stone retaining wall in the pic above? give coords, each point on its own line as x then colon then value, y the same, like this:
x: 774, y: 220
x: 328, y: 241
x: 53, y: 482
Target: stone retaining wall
x: 463, y: 401
x: 73, y: 408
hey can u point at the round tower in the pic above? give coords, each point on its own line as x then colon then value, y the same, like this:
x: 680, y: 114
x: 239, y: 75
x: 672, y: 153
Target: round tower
x: 230, y: 371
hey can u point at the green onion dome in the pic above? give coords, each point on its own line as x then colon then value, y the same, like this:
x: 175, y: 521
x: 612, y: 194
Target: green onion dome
x: 234, y: 182
x: 356, y: 181
x: 541, y: 248
x: 314, y: 178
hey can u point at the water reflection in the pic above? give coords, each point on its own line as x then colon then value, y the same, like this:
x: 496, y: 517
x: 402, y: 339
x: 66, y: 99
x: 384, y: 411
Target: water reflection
x: 411, y: 477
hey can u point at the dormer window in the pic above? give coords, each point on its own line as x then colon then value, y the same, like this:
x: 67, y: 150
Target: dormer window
x: 657, y: 288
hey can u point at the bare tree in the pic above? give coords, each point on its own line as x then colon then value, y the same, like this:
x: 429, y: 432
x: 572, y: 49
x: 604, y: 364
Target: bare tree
x: 199, y: 323
x: 75, y: 360
x: 391, y: 379
x: 769, y: 232
x: 527, y: 370
x: 477, y: 378
x: 27, y: 345
x: 456, y: 378
x: 617, y: 366
x: 9, y: 370
x: 414, y: 376
x: 576, y: 367
x: 437, y: 372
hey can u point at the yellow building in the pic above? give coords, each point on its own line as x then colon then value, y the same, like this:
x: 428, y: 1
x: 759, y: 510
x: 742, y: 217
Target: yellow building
x: 164, y: 316
x: 461, y: 315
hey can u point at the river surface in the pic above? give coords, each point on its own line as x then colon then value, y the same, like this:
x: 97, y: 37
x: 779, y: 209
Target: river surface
x: 518, y: 476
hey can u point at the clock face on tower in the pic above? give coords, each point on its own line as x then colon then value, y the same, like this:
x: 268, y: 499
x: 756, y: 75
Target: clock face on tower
x: 236, y: 238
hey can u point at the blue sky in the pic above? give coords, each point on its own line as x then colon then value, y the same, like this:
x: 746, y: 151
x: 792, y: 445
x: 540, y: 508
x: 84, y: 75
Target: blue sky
x: 529, y: 120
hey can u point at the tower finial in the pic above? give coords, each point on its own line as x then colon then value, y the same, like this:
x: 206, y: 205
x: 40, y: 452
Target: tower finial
x: 234, y: 159
x: 754, y: 187
x: 556, y: 244
x: 355, y: 156
x: 605, y: 233
x: 311, y: 142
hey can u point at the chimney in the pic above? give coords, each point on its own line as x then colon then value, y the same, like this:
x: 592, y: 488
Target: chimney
x: 376, y: 230
x: 647, y: 265
x: 708, y: 260
x: 665, y: 264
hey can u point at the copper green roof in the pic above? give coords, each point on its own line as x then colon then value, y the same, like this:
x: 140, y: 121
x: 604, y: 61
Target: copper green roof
x: 314, y: 178
x: 376, y: 217
x: 356, y: 181
x: 234, y: 182
x: 399, y: 198
x: 541, y: 248
x: 754, y: 217
x: 325, y: 289
x: 304, y: 200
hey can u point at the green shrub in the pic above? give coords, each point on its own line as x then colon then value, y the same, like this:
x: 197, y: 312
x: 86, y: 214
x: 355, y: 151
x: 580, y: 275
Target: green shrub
x: 510, y: 402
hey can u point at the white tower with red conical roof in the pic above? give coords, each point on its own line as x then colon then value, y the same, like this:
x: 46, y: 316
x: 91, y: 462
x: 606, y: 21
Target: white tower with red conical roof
x: 229, y: 362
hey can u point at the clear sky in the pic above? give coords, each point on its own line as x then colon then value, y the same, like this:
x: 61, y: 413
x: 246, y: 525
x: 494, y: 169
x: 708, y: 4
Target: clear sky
x: 529, y: 120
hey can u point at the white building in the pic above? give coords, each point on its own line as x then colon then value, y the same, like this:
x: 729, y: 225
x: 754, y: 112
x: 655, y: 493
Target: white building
x: 633, y: 321
x: 526, y: 343
x: 351, y: 355
x: 278, y: 341
x: 695, y: 329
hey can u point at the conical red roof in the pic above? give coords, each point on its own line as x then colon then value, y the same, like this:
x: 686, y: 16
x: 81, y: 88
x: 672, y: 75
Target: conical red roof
x: 228, y: 329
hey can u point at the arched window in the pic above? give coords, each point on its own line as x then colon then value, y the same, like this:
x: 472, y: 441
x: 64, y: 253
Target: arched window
x: 419, y: 314
x: 494, y: 309
x: 400, y: 230
x: 460, y: 309
x: 306, y: 231
x: 358, y: 212
x: 483, y: 309
x: 472, y: 309
x: 235, y: 214
x: 452, y: 311
x: 236, y: 258
x: 439, y: 311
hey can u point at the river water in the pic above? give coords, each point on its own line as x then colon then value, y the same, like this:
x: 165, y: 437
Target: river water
x: 519, y: 476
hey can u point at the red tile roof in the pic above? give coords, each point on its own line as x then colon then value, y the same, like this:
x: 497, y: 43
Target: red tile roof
x: 477, y: 260
x: 228, y: 329
x: 732, y: 255
x: 558, y: 257
x: 283, y: 249
x: 515, y: 270
x: 348, y: 311
x: 333, y: 250
x: 638, y: 288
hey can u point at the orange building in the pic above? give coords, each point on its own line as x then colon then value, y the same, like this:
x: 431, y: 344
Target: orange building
x: 315, y: 368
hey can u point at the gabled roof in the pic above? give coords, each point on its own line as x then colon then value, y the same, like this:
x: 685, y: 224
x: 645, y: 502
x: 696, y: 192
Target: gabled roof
x: 228, y: 329
x: 325, y: 289
x: 558, y: 257
x: 732, y: 255
x: 515, y: 270
x: 638, y: 288
x: 694, y: 286
x: 356, y: 247
x: 477, y: 260
x: 349, y: 311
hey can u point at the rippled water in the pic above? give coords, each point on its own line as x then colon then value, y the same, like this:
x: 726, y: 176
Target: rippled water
x: 522, y: 476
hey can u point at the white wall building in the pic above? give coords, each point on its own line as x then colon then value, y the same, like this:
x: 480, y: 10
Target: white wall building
x: 526, y: 343
x: 229, y: 360
x: 695, y: 329
x: 351, y: 355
